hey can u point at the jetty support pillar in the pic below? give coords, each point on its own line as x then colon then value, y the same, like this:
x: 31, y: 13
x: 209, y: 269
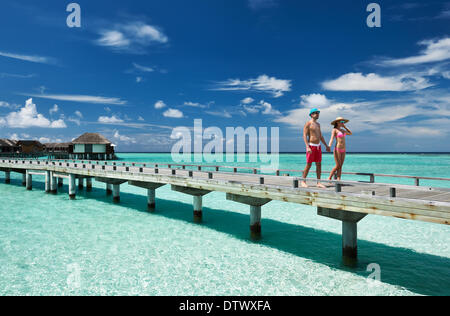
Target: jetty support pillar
x: 29, y: 181
x: 47, y: 181
x: 108, y: 189
x: 151, y: 192
x: 24, y: 179
x: 7, y: 176
x: 349, y: 231
x: 255, y: 211
x: 72, y: 189
x: 53, y: 183
x: 60, y: 182
x: 88, y: 184
x: 80, y: 183
x: 197, y: 202
x: 115, y: 183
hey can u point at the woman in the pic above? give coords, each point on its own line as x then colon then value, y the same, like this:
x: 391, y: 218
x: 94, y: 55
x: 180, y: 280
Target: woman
x: 339, y: 132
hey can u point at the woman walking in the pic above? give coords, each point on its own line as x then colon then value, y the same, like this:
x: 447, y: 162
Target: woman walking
x: 339, y: 132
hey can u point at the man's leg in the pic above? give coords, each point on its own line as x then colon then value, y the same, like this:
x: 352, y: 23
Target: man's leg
x: 305, y: 174
x: 319, y: 174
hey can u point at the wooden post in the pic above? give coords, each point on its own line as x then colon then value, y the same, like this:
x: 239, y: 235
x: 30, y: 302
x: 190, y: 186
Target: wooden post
x: 116, y: 193
x: 198, y: 213
x: 416, y: 182
x: 47, y: 182
x: 349, y: 231
x: 24, y: 179
x: 60, y: 182
x: 72, y: 189
x: 53, y: 184
x: 7, y: 177
x: 88, y: 184
x: 392, y: 192
x: 349, y: 241
x: 80, y: 183
x: 255, y: 222
x: 151, y: 201
x: 108, y: 189
x: 29, y: 181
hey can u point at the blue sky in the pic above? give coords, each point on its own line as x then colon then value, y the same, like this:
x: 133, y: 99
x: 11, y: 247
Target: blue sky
x: 135, y: 70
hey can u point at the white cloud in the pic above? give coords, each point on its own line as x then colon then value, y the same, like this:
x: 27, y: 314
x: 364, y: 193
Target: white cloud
x: 224, y: 113
x: 143, y: 68
x: 113, y: 39
x: 173, y: 113
x: 435, y: 51
x: 74, y: 120
x: 80, y: 98
x: 264, y: 83
x: 267, y: 108
x: 79, y: 114
x: 4, y: 75
x: 247, y: 100
x: 4, y: 104
x: 14, y: 136
x: 109, y: 120
x: 427, y: 110
x: 374, y: 82
x: 28, y: 116
x: 132, y: 37
x: 54, y: 109
x: 195, y: 104
x: 139, y: 79
x: 29, y: 58
x: 314, y: 100
x: 160, y: 104
x: 263, y: 107
x: 124, y: 138
x: 140, y: 118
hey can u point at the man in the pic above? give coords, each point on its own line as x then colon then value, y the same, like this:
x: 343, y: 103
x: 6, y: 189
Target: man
x: 312, y: 137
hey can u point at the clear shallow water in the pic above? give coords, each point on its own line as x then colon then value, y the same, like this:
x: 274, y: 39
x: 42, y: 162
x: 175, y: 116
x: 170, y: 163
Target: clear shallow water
x: 50, y: 245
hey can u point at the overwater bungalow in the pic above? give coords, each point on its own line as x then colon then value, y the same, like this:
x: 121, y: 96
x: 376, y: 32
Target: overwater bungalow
x: 8, y: 146
x: 31, y: 147
x: 92, y: 146
x: 58, y: 150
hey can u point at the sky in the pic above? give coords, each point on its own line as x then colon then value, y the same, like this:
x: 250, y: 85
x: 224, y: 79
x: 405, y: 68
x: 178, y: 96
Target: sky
x: 136, y: 70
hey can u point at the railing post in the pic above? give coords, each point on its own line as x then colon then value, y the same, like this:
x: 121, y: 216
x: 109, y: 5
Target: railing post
x: 392, y: 192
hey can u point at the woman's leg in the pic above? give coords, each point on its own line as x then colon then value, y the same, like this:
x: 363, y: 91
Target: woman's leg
x: 341, y: 163
x: 335, y: 153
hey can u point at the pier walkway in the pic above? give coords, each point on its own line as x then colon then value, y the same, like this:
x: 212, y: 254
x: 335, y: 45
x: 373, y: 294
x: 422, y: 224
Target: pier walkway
x: 347, y: 201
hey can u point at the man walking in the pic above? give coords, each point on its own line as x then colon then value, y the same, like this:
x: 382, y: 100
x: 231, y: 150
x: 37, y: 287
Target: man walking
x: 312, y: 136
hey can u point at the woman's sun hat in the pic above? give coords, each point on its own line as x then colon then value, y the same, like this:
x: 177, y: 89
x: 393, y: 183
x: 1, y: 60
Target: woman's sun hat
x: 340, y: 118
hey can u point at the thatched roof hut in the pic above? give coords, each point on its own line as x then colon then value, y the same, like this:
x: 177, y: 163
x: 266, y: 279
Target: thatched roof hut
x: 91, y: 138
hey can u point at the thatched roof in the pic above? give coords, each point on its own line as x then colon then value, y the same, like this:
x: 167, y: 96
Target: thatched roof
x: 29, y: 142
x: 91, y: 138
x: 8, y: 142
x: 57, y: 145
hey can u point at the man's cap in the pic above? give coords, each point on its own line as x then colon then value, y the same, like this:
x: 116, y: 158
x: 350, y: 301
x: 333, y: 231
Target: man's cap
x: 313, y: 110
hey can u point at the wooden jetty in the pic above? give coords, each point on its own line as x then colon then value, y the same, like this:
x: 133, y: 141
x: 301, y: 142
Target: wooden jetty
x: 347, y: 201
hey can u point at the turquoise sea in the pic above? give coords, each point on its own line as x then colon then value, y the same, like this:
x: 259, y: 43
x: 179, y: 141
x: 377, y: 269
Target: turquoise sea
x: 50, y: 245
